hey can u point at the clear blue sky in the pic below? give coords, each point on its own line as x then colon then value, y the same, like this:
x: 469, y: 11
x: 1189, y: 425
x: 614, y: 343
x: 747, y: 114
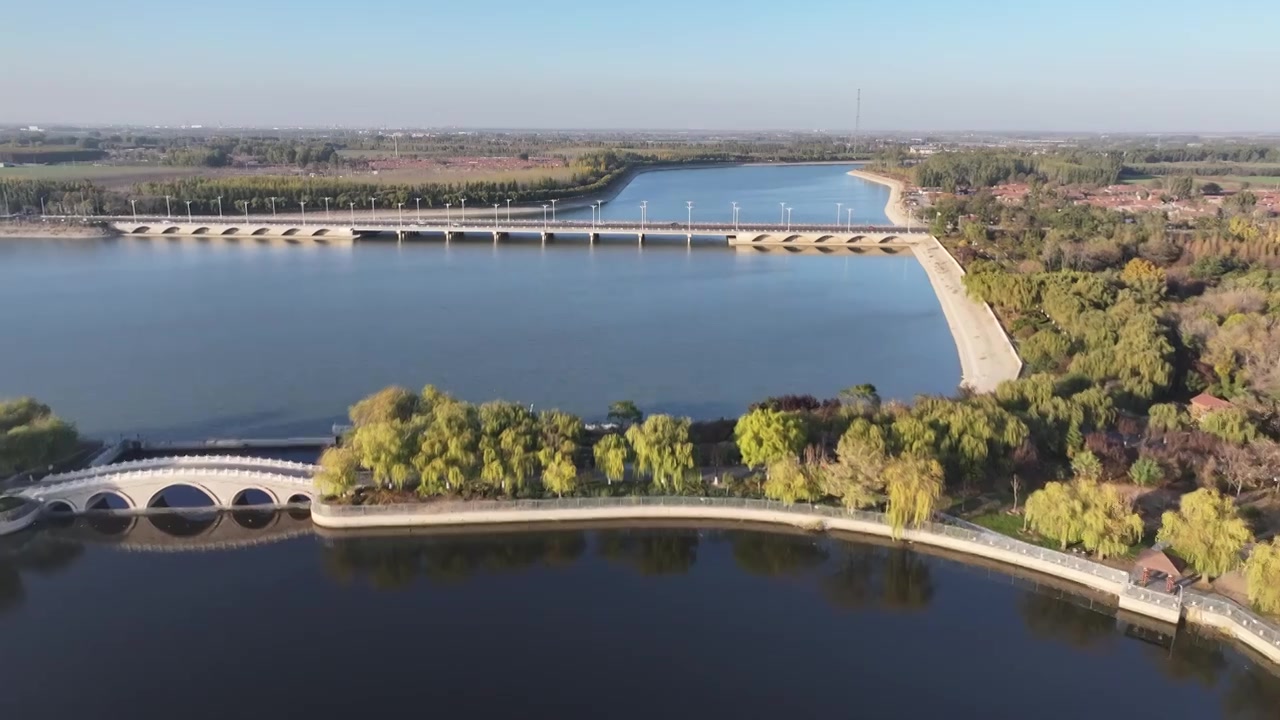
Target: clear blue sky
x: 1104, y: 65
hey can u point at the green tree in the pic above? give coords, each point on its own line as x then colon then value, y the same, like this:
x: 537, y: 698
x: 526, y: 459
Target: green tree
x: 387, y: 449
x: 31, y: 436
x: 856, y: 476
x: 560, y: 433
x: 390, y: 404
x: 1056, y: 512
x: 1144, y: 277
x: 862, y: 398
x: 914, y: 487
x: 1262, y: 573
x: 1108, y: 525
x: 662, y: 449
x: 611, y: 453
x: 339, y: 472
x: 1231, y: 425
x: 765, y: 435
x: 1206, y: 530
x: 448, y: 457
x: 560, y: 476
x: 509, y: 443
x: 625, y: 413
x: 789, y: 481
x: 1166, y: 417
x: 1086, y: 465
x: 1182, y: 187
x: 1145, y: 472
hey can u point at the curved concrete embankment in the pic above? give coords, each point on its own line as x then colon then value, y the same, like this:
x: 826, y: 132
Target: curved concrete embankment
x: 987, y: 356
x: 1211, y: 611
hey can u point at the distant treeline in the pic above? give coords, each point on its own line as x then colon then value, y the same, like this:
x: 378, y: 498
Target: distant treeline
x: 49, y: 154
x: 1201, y: 170
x: 1225, y: 153
x: 954, y: 171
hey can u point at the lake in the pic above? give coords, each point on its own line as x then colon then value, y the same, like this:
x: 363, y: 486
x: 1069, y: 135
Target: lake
x: 179, y: 339
x: 97, y: 622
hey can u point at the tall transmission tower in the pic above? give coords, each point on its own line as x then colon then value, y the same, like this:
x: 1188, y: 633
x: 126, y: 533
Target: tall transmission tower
x: 857, y: 122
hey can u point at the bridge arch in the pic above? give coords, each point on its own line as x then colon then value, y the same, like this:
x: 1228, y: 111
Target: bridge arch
x: 855, y: 238
x: 261, y: 231
x: 109, y: 500
x: 320, y: 233
x: 200, y: 231
x: 291, y: 232
x: 178, y: 495
x: 760, y: 238
x: 253, y: 496
x: 171, y: 230
x: 791, y: 238
x: 823, y: 238
x: 142, y: 230
x: 887, y: 238
x: 59, y: 507
x: 230, y: 231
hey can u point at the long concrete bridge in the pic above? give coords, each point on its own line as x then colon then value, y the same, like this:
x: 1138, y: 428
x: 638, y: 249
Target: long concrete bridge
x: 139, y: 486
x: 740, y: 234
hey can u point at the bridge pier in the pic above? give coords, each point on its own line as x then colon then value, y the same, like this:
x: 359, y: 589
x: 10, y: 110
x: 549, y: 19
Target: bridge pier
x: 498, y: 237
x: 593, y: 238
x: 689, y: 239
x: 449, y: 235
x: 548, y: 237
x: 640, y: 239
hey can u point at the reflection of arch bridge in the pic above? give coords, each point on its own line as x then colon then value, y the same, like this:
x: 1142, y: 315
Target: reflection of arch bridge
x: 140, y: 486
x: 184, y: 532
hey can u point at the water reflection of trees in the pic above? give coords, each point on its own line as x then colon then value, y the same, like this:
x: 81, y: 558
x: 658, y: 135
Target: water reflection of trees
x: 650, y: 551
x: 1055, y: 618
x: 773, y: 554
x: 867, y: 576
x: 391, y: 562
x: 31, y: 553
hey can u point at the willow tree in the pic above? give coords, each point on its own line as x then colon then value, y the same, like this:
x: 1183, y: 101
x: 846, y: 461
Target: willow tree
x: 1166, y: 417
x: 1055, y: 511
x: 1086, y: 466
x: 387, y: 449
x: 339, y: 471
x: 1207, y: 530
x: 1108, y: 525
x: 914, y: 487
x: 559, y: 433
x: 789, y: 481
x: 611, y: 454
x: 509, y: 445
x: 390, y: 404
x: 560, y: 475
x: 856, y: 476
x: 765, y: 436
x: 1262, y: 571
x: 662, y: 449
x: 449, y: 455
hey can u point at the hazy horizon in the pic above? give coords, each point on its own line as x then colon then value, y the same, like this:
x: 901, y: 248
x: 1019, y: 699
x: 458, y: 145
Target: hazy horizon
x: 923, y: 66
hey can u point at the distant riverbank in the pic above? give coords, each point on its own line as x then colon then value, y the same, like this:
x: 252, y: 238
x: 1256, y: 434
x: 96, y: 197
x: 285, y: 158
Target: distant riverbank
x: 52, y: 229
x: 896, y: 209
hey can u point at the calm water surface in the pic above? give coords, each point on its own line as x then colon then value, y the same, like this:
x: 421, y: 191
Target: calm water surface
x: 188, y: 339
x: 640, y: 623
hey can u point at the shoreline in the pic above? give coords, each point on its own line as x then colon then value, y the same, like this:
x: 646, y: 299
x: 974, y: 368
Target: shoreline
x: 53, y: 230
x: 987, y: 355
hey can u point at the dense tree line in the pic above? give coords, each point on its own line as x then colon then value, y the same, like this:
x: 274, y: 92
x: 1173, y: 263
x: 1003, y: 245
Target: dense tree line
x: 954, y: 171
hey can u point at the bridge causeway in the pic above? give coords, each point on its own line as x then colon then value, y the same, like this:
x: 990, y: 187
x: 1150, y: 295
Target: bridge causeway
x: 739, y: 234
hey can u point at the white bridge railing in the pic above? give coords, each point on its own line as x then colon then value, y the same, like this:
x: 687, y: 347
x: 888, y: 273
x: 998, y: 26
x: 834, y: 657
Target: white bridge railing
x: 178, y: 461
x: 122, y: 479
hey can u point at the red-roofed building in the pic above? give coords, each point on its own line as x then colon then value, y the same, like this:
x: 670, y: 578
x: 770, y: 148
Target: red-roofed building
x: 1205, y: 403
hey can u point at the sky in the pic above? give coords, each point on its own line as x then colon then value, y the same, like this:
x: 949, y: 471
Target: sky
x: 1087, y: 65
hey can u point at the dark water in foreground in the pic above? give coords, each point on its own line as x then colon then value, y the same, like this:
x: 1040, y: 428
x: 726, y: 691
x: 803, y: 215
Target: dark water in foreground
x: 640, y: 623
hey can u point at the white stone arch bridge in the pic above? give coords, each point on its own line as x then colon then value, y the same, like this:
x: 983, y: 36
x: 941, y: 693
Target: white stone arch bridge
x: 225, y: 480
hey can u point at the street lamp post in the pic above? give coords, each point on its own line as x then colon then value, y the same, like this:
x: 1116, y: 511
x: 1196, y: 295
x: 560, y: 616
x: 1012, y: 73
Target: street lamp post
x: 353, y: 212
x: 167, y: 212
x: 418, y: 203
x: 373, y: 208
x: 303, y: 203
x: 553, y: 210
x: 848, y: 214
x: 689, y: 205
x: 838, y: 206
x: 219, y: 207
x: 327, y: 217
x: 246, y: 211
x: 788, y: 219
x: 464, y: 210
x: 508, y: 209
x: 448, y: 217
x: 735, y: 216
x: 544, y: 216
x: 783, y: 214
x: 273, y: 205
x: 495, y: 217
x: 42, y: 206
x: 188, y: 211
x: 595, y: 206
x: 400, y: 212
x: 644, y: 213
x: 132, y: 202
